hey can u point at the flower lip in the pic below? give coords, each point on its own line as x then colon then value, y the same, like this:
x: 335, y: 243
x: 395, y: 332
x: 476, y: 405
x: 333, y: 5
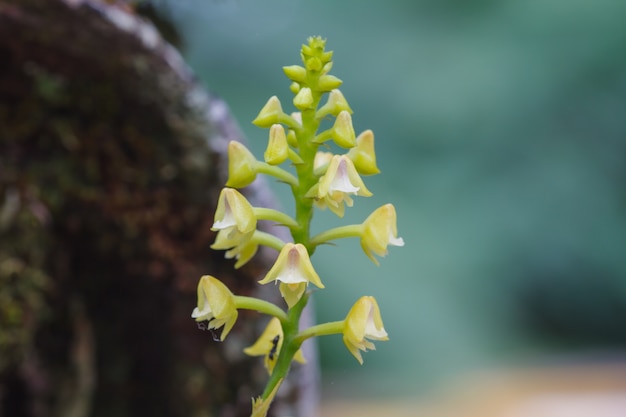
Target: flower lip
x: 227, y: 221
x: 341, y: 182
x: 292, y: 292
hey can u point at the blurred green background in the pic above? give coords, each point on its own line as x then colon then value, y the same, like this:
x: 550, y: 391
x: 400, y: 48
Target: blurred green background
x: 501, y: 135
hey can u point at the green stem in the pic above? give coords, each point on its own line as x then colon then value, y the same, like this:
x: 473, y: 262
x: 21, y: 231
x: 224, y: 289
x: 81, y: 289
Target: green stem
x: 263, y: 213
x: 294, y: 157
x: 324, y: 329
x: 289, y: 121
x: 251, y: 303
x: 306, y: 177
x: 277, y: 172
x: 323, y: 136
x: 341, y: 232
x: 268, y: 239
x: 289, y: 347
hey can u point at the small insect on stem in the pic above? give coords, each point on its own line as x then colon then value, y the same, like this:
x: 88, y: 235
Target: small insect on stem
x: 274, y: 347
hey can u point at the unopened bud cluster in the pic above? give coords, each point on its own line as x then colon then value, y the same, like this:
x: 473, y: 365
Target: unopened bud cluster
x: 319, y: 179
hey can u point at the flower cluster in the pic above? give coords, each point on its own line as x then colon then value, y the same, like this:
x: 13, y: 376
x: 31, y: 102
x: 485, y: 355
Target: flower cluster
x: 298, y: 153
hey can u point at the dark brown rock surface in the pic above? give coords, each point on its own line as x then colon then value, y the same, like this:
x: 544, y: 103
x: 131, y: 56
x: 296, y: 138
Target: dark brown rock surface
x: 111, y: 160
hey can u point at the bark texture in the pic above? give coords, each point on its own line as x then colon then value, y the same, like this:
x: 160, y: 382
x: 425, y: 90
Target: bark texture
x: 111, y: 160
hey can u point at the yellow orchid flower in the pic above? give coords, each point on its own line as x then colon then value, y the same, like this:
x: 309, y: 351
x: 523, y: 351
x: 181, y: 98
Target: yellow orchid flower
x: 363, y: 154
x: 294, y: 270
x: 380, y: 231
x: 269, y: 345
x: 235, y: 222
x: 242, y: 164
x: 334, y: 187
x: 234, y: 215
x: 363, y: 322
x: 215, y: 304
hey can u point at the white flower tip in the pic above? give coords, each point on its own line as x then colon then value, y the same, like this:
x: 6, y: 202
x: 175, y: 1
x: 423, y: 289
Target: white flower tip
x: 201, y: 314
x: 223, y: 224
x: 292, y: 278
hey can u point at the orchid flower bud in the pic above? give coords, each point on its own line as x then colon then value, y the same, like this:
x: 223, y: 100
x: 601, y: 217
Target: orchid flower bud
x: 335, y: 104
x: 304, y: 99
x: 363, y: 154
x: 277, y: 149
x: 295, y: 73
x: 241, y: 166
x: 272, y: 113
x: 328, y: 83
x: 342, y: 132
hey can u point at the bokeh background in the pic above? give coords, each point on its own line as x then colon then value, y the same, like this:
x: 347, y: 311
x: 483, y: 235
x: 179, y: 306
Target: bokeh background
x: 501, y: 135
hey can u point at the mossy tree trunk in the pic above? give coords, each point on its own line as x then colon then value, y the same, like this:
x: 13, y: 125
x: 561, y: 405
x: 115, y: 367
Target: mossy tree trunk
x: 111, y: 160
